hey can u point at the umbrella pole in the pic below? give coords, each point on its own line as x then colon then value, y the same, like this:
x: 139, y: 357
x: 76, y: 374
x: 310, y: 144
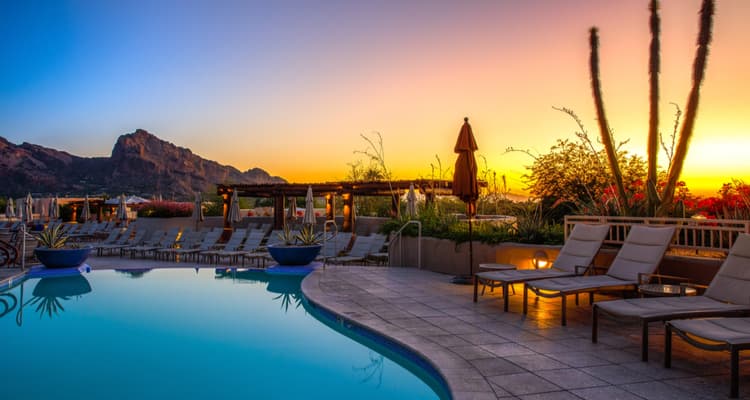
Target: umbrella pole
x: 467, y: 279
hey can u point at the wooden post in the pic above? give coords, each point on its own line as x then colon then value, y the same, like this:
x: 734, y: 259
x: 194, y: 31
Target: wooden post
x: 348, y: 200
x: 74, y: 217
x: 330, y: 207
x: 278, y: 211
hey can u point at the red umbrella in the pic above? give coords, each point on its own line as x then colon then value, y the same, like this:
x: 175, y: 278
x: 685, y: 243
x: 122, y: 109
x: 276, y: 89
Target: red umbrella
x: 465, y: 186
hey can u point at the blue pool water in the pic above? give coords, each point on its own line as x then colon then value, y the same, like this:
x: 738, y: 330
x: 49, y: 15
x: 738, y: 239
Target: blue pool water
x: 182, y: 333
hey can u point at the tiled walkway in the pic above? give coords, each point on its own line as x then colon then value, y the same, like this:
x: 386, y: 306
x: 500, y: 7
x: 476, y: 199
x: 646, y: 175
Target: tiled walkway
x: 484, y: 353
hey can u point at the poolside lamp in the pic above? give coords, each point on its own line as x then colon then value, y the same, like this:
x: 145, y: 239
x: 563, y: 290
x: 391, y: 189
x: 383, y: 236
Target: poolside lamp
x: 540, y: 259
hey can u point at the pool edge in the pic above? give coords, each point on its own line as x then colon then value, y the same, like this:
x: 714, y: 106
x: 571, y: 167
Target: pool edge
x: 309, y: 287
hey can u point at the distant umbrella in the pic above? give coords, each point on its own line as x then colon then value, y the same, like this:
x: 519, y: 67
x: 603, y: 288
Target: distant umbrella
x: 198, y: 209
x: 291, y: 215
x: 54, y: 209
x: 20, y: 206
x: 466, y: 187
x: 234, y: 208
x: 309, y: 218
x: 86, y: 211
x: 411, y: 202
x: 10, y: 209
x: 122, y: 209
x: 28, y: 211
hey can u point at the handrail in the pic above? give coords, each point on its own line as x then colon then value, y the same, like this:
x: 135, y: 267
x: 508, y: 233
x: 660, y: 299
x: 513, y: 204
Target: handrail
x: 325, y: 239
x: 399, y: 235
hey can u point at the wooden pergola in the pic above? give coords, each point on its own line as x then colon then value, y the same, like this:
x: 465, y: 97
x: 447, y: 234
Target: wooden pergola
x: 347, y: 190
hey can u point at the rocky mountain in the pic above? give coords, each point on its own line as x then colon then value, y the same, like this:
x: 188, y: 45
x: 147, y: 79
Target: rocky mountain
x: 140, y: 163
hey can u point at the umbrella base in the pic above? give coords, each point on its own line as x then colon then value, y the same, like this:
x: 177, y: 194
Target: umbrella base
x: 463, y: 280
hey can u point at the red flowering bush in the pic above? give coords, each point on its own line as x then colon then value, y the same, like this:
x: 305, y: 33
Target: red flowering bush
x: 733, y: 202
x: 164, y: 209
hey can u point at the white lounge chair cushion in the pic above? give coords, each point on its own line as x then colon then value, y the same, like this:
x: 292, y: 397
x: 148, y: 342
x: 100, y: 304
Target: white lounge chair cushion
x: 576, y: 283
x: 521, y: 275
x: 655, y: 307
x: 642, y: 251
x: 581, y: 247
x: 728, y: 330
x: 732, y: 281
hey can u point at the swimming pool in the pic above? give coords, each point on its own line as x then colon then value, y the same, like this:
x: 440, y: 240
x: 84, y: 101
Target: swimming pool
x: 185, y: 333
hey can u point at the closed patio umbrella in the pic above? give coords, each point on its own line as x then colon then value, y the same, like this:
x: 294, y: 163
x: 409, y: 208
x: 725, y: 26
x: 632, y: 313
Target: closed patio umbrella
x: 234, y: 208
x: 466, y: 187
x: 122, y: 210
x: 10, y: 209
x: 86, y: 211
x: 309, y: 218
x: 291, y: 214
x: 411, y: 202
x: 28, y: 209
x: 198, y: 209
x: 54, y: 209
x: 20, y: 206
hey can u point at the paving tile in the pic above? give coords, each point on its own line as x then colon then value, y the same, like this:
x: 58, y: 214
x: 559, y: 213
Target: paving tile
x: 506, y: 349
x: 578, y: 359
x: 535, y: 362
x: 616, y: 374
x: 495, y: 366
x: 659, y: 391
x: 523, y: 383
x: 605, y: 392
x: 550, y: 396
x: 472, y: 352
x: 570, y: 378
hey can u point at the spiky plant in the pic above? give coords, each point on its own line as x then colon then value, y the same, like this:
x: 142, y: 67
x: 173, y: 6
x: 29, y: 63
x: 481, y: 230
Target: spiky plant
x: 308, y: 237
x: 287, y: 237
x: 52, y: 238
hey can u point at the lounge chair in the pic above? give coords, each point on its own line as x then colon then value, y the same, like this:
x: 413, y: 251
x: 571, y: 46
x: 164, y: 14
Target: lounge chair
x: 359, y: 251
x: 579, y: 251
x: 188, y: 239
x: 234, y: 242
x: 122, y: 242
x: 148, y: 242
x: 335, y: 246
x: 713, y: 334
x: 726, y: 296
x: 207, y: 243
x: 641, y: 253
x: 250, y: 244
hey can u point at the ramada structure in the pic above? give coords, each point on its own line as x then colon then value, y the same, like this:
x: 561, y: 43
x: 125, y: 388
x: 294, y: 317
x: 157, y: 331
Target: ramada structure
x: 279, y: 192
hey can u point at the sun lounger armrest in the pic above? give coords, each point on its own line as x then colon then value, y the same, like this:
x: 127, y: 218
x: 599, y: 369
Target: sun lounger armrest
x: 646, y: 278
x: 685, y: 285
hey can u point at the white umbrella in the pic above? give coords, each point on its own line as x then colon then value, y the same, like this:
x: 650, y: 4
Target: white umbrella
x: 234, y: 208
x: 42, y: 208
x: 20, y: 206
x: 122, y: 209
x: 198, y: 209
x: 291, y: 214
x: 411, y: 202
x: 54, y: 209
x: 86, y: 211
x: 309, y: 218
x: 10, y: 209
x: 28, y: 211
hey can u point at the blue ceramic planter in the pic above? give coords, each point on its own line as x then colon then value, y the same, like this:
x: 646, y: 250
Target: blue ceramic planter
x: 294, y: 255
x: 62, y: 258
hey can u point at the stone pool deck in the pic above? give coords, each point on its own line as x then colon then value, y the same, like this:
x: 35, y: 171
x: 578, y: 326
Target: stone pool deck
x: 484, y: 353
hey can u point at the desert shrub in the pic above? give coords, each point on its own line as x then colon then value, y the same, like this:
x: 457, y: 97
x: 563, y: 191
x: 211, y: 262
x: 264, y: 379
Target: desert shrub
x: 164, y: 209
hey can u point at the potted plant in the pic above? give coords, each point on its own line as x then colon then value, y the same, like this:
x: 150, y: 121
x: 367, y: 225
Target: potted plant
x: 53, y: 251
x: 300, y: 249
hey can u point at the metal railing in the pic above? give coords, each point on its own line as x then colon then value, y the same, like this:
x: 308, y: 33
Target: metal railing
x: 691, y: 234
x: 399, y: 235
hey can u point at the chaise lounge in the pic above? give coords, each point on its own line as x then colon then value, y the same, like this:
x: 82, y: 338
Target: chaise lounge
x: 641, y: 253
x: 727, y: 295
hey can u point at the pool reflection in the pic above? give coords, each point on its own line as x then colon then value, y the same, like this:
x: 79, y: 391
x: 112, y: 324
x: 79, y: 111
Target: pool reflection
x: 287, y: 287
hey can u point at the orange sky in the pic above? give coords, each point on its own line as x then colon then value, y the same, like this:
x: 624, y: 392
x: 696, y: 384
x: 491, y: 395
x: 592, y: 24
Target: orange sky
x: 290, y: 88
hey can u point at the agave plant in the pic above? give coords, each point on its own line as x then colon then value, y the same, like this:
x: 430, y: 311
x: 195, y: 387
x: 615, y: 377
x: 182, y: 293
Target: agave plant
x: 52, y: 238
x: 286, y: 236
x: 308, y: 237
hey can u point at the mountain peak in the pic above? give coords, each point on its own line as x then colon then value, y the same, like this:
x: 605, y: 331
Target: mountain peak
x: 140, y: 163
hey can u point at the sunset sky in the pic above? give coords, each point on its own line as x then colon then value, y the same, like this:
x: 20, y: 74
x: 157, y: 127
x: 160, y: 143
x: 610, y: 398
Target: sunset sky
x: 289, y: 86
